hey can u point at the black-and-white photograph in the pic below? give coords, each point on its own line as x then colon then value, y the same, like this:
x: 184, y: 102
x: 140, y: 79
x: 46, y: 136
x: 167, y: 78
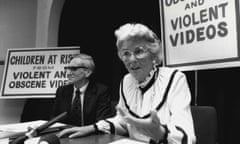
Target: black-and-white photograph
x: 114, y: 72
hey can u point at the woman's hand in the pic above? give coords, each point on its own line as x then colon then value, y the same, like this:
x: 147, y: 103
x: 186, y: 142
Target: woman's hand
x: 150, y: 126
x: 76, y: 131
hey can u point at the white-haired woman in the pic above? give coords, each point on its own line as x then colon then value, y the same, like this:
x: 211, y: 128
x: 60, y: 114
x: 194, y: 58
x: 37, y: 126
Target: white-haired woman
x: 154, y: 104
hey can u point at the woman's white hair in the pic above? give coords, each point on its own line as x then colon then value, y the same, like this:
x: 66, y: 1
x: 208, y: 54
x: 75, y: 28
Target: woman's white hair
x: 137, y: 31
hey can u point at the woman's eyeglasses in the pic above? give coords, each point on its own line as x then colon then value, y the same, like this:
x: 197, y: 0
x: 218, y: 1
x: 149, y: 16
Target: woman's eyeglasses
x: 139, y: 53
x: 73, y: 68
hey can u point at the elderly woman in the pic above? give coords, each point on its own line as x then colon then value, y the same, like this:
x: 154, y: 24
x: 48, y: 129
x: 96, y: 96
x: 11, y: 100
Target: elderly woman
x: 154, y: 103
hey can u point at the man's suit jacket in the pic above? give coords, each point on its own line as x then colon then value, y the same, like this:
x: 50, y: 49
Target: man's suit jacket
x: 96, y: 105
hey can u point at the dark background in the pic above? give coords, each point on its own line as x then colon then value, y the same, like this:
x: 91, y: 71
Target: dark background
x: 91, y: 24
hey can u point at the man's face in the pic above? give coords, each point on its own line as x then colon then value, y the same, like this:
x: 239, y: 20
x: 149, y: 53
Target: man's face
x: 76, y: 71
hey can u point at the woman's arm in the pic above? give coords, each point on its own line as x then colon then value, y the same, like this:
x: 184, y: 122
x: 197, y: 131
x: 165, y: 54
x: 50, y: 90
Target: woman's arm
x: 180, y: 125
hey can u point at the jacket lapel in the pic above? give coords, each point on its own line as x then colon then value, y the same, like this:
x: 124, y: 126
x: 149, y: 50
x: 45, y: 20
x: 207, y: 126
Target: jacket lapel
x: 88, y: 98
x: 69, y: 96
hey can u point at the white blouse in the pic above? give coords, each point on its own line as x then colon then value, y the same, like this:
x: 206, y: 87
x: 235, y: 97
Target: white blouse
x: 168, y: 94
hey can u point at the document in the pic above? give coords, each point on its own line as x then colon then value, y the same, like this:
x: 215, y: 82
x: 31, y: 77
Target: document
x: 21, y: 127
x: 16, y: 129
x: 34, y: 140
x: 4, y: 141
x: 127, y: 141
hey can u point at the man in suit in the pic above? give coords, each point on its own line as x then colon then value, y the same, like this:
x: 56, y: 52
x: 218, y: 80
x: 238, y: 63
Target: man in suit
x: 85, y: 101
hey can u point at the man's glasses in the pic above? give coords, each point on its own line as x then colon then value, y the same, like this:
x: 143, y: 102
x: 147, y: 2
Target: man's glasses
x: 73, y: 68
x: 139, y: 53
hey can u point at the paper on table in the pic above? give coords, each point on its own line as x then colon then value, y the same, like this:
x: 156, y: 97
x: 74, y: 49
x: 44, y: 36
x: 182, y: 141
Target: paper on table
x: 20, y: 127
x: 32, y: 140
x: 126, y: 141
x: 23, y: 127
x: 4, y: 141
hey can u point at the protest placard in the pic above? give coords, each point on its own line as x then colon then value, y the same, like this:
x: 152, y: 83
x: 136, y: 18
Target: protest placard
x: 200, y: 34
x: 35, y: 72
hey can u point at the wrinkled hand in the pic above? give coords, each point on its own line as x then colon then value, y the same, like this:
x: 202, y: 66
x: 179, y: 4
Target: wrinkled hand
x: 150, y: 126
x: 76, y: 131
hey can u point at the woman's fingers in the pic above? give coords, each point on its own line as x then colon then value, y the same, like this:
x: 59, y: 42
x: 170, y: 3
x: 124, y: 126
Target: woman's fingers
x: 150, y: 122
x: 128, y: 118
x: 137, y: 122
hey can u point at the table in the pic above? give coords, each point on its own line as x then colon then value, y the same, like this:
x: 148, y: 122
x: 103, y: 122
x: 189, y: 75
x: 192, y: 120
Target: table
x: 92, y: 139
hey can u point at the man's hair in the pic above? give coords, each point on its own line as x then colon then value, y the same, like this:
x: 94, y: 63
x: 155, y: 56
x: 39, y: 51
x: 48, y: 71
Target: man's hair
x: 87, y: 60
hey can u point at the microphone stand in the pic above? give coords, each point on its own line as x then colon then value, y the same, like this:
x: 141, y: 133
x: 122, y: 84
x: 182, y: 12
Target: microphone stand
x: 35, y: 132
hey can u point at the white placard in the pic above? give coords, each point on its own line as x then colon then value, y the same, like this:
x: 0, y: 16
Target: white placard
x: 199, y: 32
x: 35, y: 72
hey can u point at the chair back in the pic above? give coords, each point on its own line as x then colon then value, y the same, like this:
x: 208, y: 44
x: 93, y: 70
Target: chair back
x: 205, y: 124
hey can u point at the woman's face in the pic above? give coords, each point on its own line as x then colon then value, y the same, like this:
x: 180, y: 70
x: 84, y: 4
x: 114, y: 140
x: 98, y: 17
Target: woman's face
x: 136, y: 58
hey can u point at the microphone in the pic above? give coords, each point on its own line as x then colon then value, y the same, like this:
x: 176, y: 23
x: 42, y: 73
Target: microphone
x: 51, y: 122
x: 49, y: 139
x: 35, y: 132
x: 19, y: 140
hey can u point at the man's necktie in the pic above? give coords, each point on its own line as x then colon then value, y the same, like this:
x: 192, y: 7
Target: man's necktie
x: 77, y: 109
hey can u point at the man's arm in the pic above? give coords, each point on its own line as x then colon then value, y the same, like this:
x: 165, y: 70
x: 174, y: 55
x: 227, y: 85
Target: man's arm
x: 103, y: 105
x: 55, y: 108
